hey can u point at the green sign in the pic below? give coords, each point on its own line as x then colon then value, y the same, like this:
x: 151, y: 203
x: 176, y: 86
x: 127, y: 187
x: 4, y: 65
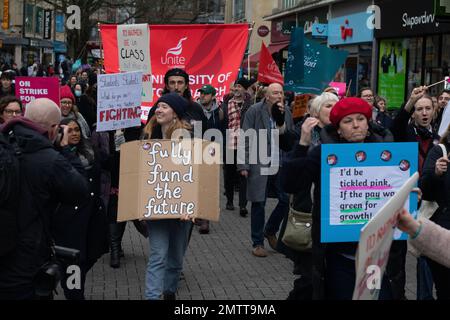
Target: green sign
x: 392, y: 72
x: 442, y: 8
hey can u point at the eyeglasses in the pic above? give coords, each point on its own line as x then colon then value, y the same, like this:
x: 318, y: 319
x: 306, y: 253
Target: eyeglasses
x: 367, y: 96
x: 13, y: 112
x: 66, y: 103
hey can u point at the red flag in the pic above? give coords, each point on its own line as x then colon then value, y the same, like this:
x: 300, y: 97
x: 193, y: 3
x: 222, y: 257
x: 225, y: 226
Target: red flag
x: 268, y: 71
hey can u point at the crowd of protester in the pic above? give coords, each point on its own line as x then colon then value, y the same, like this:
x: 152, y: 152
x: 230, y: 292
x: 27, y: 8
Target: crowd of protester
x: 70, y: 180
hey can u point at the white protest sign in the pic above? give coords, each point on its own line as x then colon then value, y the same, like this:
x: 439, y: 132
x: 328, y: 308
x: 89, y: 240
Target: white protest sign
x: 133, y: 44
x: 361, y: 192
x: 119, y: 100
x: 445, y: 120
x: 375, y: 243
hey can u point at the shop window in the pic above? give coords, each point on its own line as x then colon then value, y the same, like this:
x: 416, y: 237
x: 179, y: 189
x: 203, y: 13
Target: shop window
x: 415, y: 46
x: 29, y: 10
x: 432, y: 52
x: 39, y: 27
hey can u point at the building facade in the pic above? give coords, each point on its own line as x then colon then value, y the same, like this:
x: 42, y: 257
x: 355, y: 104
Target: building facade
x: 32, y: 31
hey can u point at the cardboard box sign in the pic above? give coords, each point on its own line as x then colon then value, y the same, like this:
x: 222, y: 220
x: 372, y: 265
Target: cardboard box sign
x: 162, y: 179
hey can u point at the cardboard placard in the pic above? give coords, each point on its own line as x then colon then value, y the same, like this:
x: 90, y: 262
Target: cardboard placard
x: 300, y: 105
x: 375, y: 243
x: 119, y: 100
x: 162, y: 179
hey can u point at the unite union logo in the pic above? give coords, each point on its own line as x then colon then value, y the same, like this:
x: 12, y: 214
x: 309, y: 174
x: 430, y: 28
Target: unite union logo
x: 173, y: 55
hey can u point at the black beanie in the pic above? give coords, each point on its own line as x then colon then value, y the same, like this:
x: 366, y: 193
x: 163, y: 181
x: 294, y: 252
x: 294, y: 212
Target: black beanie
x: 176, y: 102
x: 176, y: 72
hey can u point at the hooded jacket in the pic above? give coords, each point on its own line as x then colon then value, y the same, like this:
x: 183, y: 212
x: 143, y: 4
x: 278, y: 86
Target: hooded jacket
x: 47, y: 179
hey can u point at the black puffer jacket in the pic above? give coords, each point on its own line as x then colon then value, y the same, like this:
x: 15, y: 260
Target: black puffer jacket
x: 47, y: 178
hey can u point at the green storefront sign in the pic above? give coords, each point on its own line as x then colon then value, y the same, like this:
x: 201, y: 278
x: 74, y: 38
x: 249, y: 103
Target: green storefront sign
x: 392, y: 72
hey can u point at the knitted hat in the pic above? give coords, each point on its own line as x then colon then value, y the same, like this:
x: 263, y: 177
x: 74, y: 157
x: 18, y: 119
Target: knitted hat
x: 176, y: 102
x: 66, y: 93
x: 176, y: 72
x: 349, y: 106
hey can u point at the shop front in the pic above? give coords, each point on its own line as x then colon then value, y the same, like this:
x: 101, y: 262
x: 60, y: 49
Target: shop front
x: 413, y: 49
x: 350, y: 32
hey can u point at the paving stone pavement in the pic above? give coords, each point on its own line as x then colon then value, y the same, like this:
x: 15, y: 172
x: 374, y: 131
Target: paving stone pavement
x: 218, y: 266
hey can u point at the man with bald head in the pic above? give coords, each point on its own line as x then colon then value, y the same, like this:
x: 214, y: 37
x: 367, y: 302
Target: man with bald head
x: 47, y: 178
x: 269, y: 128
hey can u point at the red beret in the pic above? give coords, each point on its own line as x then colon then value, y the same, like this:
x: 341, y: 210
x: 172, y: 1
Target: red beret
x: 348, y: 106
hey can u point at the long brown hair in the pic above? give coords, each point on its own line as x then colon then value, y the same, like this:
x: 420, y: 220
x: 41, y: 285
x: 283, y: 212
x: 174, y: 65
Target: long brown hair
x: 152, y: 124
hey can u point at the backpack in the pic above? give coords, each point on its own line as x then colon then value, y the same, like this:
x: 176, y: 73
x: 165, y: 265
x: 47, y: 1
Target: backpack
x: 9, y: 192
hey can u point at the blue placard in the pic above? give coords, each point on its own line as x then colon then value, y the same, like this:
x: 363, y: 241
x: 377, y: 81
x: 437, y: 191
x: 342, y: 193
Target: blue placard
x: 350, y: 29
x: 319, y: 30
x: 357, y: 179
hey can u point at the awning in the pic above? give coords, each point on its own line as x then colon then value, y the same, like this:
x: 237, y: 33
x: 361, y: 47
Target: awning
x: 273, y: 47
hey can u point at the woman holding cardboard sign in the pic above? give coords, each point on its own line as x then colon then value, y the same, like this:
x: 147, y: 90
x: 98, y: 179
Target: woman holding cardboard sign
x: 168, y: 237
x: 333, y: 264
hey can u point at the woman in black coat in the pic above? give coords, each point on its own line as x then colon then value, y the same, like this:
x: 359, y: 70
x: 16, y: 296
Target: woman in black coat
x: 333, y: 268
x: 84, y: 226
x: 435, y: 185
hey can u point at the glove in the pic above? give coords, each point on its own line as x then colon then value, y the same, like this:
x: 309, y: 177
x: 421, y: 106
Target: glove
x: 277, y: 115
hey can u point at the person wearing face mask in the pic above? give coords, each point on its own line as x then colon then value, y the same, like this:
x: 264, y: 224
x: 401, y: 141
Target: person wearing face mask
x: 333, y: 265
x: 83, y: 226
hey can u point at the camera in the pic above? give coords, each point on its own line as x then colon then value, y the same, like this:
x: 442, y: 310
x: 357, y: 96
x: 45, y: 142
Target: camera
x: 51, y: 273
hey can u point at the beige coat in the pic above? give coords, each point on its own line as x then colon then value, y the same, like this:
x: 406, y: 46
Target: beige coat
x: 434, y: 242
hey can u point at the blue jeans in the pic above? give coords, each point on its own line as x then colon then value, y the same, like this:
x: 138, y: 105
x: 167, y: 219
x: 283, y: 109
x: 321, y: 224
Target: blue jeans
x: 168, y: 240
x: 258, y: 214
x: 424, y: 280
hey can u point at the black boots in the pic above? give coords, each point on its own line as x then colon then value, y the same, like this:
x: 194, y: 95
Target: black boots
x: 116, y: 231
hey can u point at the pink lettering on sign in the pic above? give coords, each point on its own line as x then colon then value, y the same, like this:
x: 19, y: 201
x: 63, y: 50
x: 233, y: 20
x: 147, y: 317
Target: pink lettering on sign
x: 31, y: 88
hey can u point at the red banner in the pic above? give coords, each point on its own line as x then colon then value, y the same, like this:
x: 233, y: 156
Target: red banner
x: 268, y: 71
x: 210, y: 54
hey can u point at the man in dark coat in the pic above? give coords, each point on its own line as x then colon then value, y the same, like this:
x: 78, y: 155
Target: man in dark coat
x: 269, y: 115
x: 47, y: 178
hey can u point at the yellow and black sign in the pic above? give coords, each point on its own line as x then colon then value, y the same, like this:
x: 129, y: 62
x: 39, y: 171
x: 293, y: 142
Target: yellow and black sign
x: 5, y: 21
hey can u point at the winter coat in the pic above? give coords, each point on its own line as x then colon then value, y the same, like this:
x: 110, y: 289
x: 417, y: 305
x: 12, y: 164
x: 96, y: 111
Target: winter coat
x: 213, y: 116
x: 84, y: 226
x: 258, y: 118
x: 437, y: 188
x: 404, y: 132
x: 10, y: 92
x: 88, y: 108
x: 298, y: 172
x: 434, y: 242
x: 47, y: 179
